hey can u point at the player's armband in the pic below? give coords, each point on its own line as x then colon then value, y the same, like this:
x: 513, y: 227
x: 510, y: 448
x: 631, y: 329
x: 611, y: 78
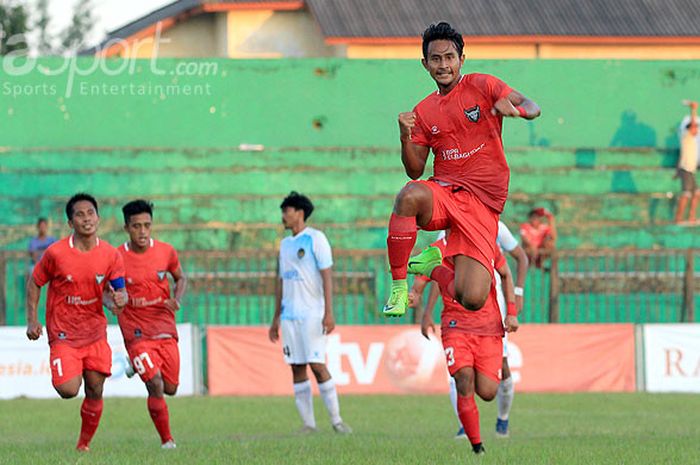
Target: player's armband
x: 117, y: 283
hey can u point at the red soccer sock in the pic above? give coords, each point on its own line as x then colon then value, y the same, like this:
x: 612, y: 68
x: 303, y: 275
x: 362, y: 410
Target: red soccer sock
x: 90, y: 412
x: 445, y: 278
x: 161, y: 419
x: 402, y: 237
x: 469, y: 416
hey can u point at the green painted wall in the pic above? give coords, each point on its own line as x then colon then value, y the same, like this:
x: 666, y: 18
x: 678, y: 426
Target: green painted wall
x: 87, y: 102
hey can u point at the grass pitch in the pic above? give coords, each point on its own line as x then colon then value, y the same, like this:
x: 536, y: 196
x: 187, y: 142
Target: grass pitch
x: 545, y: 429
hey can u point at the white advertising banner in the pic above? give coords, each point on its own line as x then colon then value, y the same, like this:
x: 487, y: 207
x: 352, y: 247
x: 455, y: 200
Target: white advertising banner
x: 25, y: 370
x: 672, y: 357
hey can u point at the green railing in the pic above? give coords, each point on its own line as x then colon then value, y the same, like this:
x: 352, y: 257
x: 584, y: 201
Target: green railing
x: 237, y: 288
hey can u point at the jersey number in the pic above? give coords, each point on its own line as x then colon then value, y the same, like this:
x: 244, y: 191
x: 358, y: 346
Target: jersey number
x: 59, y: 368
x: 138, y: 362
x: 450, y: 354
x: 286, y: 351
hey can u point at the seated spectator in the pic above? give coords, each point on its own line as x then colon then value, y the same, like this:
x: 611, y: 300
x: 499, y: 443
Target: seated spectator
x: 539, y: 237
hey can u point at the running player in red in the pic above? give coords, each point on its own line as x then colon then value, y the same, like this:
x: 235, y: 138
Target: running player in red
x: 79, y: 269
x: 461, y: 123
x: 473, y: 346
x: 148, y: 321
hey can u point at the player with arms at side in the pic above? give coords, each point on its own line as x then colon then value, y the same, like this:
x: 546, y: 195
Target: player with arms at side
x: 506, y: 391
x: 473, y: 346
x: 304, y: 308
x: 79, y: 269
x: 461, y: 123
x: 148, y: 321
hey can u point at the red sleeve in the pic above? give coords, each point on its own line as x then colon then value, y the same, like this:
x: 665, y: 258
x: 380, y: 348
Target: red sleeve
x: 524, y: 231
x: 44, y: 270
x: 500, y: 260
x: 174, y: 261
x: 117, y: 269
x: 420, y: 133
x: 494, y: 87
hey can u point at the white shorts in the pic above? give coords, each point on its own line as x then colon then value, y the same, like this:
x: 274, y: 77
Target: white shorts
x: 303, y: 341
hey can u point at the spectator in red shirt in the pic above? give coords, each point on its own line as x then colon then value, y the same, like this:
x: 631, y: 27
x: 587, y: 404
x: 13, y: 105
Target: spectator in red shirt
x: 539, y: 237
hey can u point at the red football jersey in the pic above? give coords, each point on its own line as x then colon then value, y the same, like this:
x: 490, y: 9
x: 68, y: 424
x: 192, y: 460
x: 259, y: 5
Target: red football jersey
x: 466, y: 138
x: 146, y: 316
x: 533, y: 235
x: 485, y: 322
x: 74, y: 312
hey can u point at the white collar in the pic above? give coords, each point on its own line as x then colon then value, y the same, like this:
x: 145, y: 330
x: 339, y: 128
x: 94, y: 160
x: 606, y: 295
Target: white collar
x: 126, y: 244
x: 72, y: 246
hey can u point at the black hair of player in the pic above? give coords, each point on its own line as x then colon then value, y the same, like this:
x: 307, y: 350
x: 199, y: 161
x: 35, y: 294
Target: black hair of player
x: 42, y: 220
x: 136, y: 207
x: 442, y: 31
x: 79, y: 197
x: 298, y: 202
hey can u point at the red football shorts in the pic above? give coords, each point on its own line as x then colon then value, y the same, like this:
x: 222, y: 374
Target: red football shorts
x: 483, y: 353
x: 473, y: 225
x: 153, y: 355
x: 68, y: 362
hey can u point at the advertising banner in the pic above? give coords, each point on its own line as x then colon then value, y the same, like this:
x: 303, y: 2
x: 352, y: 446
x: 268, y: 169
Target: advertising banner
x: 398, y: 359
x: 672, y: 357
x: 25, y: 369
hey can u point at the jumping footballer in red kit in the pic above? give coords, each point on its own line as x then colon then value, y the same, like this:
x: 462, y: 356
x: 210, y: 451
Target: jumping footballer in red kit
x: 79, y: 269
x: 461, y: 123
x: 148, y: 321
x: 474, y: 348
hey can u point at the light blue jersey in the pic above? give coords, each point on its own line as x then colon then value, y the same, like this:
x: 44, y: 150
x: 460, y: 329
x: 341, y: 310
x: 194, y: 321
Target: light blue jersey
x: 301, y: 259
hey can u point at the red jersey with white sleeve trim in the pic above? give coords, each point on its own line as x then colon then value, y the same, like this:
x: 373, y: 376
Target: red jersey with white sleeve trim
x: 466, y: 138
x: 483, y: 322
x: 74, y: 313
x: 146, y: 316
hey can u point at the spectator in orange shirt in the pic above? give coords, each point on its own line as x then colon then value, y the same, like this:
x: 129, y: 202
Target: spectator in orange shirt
x: 539, y: 237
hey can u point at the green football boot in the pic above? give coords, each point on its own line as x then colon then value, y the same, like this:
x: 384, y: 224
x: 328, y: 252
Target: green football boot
x: 425, y: 262
x: 398, y: 302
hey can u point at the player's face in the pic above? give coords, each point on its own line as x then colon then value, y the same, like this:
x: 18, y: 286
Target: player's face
x: 443, y: 63
x: 85, y: 219
x: 139, y: 229
x: 291, y: 217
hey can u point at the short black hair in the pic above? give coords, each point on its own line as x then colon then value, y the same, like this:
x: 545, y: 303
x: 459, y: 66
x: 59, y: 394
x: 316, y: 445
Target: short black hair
x: 79, y: 197
x: 41, y: 219
x: 442, y: 31
x: 298, y: 202
x: 136, y: 207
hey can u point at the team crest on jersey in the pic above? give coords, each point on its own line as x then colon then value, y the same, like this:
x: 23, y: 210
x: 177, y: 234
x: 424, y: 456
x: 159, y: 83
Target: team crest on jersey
x: 453, y: 323
x: 301, y: 253
x: 435, y: 130
x: 473, y: 113
x: 137, y: 332
x: 161, y: 275
x: 99, y: 278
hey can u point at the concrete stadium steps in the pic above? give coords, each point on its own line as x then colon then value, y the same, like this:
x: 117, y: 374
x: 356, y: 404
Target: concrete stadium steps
x: 227, y: 236
x: 228, y: 198
x: 357, y: 209
x: 519, y: 158
x: 356, y: 181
